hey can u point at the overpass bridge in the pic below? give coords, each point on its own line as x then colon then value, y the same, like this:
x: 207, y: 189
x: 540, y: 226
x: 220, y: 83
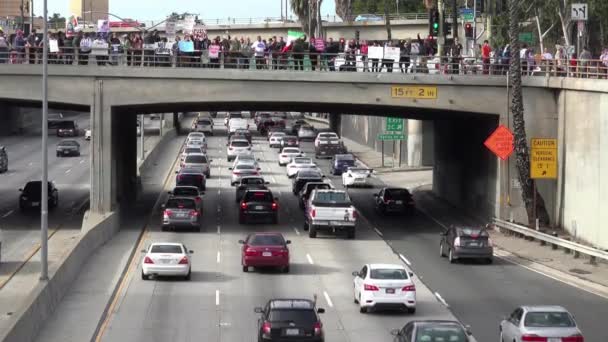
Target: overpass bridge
x: 465, y: 110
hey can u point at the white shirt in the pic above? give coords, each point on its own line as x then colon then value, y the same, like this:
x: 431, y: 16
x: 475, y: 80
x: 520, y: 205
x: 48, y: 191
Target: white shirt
x: 523, y: 53
x: 259, y: 48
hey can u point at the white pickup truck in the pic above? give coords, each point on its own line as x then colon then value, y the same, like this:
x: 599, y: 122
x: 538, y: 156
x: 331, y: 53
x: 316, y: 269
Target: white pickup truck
x: 330, y: 210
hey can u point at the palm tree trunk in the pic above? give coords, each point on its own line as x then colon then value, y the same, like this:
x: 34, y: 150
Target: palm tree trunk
x: 387, y: 20
x: 522, y: 156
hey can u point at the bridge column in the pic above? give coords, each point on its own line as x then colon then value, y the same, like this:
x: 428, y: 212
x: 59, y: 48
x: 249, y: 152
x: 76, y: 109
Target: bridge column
x: 103, y: 165
x: 414, y: 143
x: 335, y: 122
x: 124, y: 146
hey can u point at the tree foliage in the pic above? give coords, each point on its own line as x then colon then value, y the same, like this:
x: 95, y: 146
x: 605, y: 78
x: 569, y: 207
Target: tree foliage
x: 303, y: 12
x: 376, y: 6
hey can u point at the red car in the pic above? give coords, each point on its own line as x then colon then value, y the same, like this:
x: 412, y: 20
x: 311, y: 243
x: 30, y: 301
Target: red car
x: 265, y: 250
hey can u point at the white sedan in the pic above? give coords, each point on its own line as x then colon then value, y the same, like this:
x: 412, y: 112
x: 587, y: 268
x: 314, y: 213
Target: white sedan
x: 384, y: 286
x: 275, y: 139
x: 325, y: 135
x: 356, y: 176
x: 303, y: 167
x: 246, y: 159
x: 292, y: 167
x: 289, y: 153
x: 167, y: 259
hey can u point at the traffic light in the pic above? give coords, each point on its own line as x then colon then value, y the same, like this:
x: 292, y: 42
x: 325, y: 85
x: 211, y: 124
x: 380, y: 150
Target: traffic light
x: 480, y: 5
x: 434, y: 22
x: 468, y: 30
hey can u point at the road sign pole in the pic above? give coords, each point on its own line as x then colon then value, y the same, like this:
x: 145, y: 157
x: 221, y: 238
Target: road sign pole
x: 394, y: 149
x: 44, y: 202
x: 400, y: 151
x: 534, y: 202
x: 382, y: 153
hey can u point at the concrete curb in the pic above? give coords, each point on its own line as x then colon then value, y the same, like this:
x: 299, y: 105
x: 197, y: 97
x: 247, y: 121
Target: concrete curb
x: 169, y: 134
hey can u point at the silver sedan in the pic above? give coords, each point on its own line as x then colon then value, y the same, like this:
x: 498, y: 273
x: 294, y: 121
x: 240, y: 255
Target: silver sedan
x: 540, y: 323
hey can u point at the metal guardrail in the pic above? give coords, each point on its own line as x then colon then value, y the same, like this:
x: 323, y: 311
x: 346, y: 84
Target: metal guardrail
x: 577, y: 248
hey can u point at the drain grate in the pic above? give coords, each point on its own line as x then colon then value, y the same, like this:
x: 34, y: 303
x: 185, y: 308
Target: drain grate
x: 579, y: 271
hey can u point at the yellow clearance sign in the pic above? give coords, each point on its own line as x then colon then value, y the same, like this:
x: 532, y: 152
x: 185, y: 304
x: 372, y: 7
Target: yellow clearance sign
x: 543, y: 158
x: 414, y: 92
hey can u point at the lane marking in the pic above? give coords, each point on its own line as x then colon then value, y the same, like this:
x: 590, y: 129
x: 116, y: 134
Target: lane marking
x: 439, y: 298
x: 68, y: 171
x: 219, y: 192
x: 309, y: 259
x: 82, y: 161
x: 328, y: 300
x: 218, y: 229
x: 8, y: 213
x: 402, y: 257
x: 217, y: 297
x: 296, y: 230
x: 378, y: 232
x: 218, y: 257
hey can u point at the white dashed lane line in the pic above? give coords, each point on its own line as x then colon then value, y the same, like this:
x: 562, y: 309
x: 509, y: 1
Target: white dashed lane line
x: 68, y: 171
x: 439, y: 298
x: 309, y: 259
x: 217, y: 297
x: 7, y: 214
x: 378, y: 232
x: 405, y: 260
x: 328, y: 300
x: 296, y: 230
x: 219, y: 258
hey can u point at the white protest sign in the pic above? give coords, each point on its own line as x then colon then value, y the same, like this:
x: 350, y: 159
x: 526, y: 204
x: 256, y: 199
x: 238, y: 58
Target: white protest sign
x: 375, y: 52
x: 392, y: 53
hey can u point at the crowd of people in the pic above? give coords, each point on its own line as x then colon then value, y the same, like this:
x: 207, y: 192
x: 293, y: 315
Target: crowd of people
x: 199, y: 50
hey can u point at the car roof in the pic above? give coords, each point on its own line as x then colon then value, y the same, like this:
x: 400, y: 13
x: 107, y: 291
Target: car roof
x: 292, y: 149
x: 544, y: 308
x: 292, y: 303
x: 196, y: 134
x: 68, y: 141
x: 438, y: 321
x: 185, y: 187
x: 387, y: 266
x: 239, y: 139
x: 197, y: 154
x: 330, y: 190
x: 257, y: 190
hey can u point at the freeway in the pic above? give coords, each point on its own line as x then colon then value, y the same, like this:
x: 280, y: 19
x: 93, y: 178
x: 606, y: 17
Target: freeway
x: 217, y: 304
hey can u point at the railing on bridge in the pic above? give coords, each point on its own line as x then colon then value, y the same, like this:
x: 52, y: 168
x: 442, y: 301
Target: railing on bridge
x: 308, y: 62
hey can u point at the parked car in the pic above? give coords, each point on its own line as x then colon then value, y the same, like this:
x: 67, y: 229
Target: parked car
x: 243, y: 170
x: 31, y: 194
x: 238, y: 147
x: 540, y: 323
x: 384, y: 286
x: 307, y: 132
x: 166, y: 259
x: 194, y: 176
x: 304, y: 194
x: 432, y: 330
x: 357, y: 176
x: 393, y: 200
x: 460, y: 242
x: 330, y: 211
x: 258, y: 204
x: 67, y: 148
x: 3, y: 159
x: 340, y: 163
x: 204, y: 125
x: 249, y: 183
x: 290, y: 319
x: 304, y: 177
x: 266, y: 249
x: 288, y: 153
x: 199, y: 160
x: 181, y: 212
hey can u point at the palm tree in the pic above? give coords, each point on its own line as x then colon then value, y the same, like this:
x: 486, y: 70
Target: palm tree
x: 344, y: 9
x: 387, y: 21
x: 522, y: 157
x: 301, y: 10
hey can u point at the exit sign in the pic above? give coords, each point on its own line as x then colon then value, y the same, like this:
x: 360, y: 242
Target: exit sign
x: 394, y: 125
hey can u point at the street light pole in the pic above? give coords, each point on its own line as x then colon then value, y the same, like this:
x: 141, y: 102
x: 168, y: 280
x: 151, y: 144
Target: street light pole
x: 44, y: 202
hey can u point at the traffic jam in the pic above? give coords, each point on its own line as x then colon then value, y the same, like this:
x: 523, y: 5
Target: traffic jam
x: 250, y: 140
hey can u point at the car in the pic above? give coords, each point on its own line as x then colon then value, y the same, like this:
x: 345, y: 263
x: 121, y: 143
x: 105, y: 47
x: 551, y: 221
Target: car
x: 328, y: 147
x: 384, y: 286
x: 266, y: 125
x: 213, y: 114
x: 241, y: 133
x: 3, y: 159
x: 67, y: 148
x: 249, y: 183
x: 275, y: 138
x: 290, y: 320
x: 268, y: 249
x: 325, y: 135
x: 31, y: 194
x: 289, y: 141
x: 307, y: 132
x: 246, y: 159
x: 306, y: 167
x: 258, y: 204
x: 87, y: 134
x: 330, y: 211
x: 304, y: 194
x: 540, y: 323
x: 67, y: 128
x: 167, y: 259
x: 242, y: 170
x: 389, y: 200
x: 356, y: 176
x: 288, y: 153
x: 238, y: 147
x: 340, y: 163
x: 292, y: 166
x: 296, y: 125
x: 204, y: 125
x: 304, y: 177
x: 189, y: 192
x: 194, y: 176
x: 259, y: 116
x: 232, y: 115
x: 190, y: 149
x: 181, y: 212
x: 432, y: 330
x: 463, y: 242
x: 236, y: 123
x: 202, y: 143
x: 198, y: 160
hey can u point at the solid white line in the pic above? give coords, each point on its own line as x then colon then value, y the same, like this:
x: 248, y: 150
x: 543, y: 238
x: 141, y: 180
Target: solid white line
x: 218, y: 257
x: 217, y: 297
x: 402, y: 257
x: 82, y: 161
x: 219, y: 192
x: 218, y: 229
x: 273, y: 180
x: 309, y: 259
x: 68, y: 171
x: 7, y: 214
x: 328, y: 300
x: 297, y: 231
x: 441, y: 299
x: 378, y: 232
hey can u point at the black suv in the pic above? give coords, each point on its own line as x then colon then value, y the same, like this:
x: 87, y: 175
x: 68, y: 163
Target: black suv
x: 258, y: 204
x: 30, y: 195
x: 249, y: 183
x: 304, y: 177
x: 290, y: 320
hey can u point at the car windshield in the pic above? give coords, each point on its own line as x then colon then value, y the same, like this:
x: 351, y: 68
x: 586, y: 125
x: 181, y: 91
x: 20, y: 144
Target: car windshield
x: 332, y: 197
x: 204, y: 122
x: 185, y: 191
x: 193, y: 150
x: 440, y: 332
x: 235, y: 115
x: 396, y: 193
x: 166, y: 249
x: 304, y: 318
x: 68, y: 143
x: 290, y: 150
x: 278, y: 134
x: 196, y: 159
x: 240, y: 143
x: 195, y: 135
x: 180, y: 203
x: 388, y: 273
x: 474, y: 232
x: 266, y: 240
x: 252, y: 181
x: 302, y: 160
x: 548, y: 319
x: 245, y: 167
x: 66, y: 125
x: 306, y: 129
x: 346, y: 162
x: 307, y: 166
x: 318, y: 186
x: 258, y: 196
x: 33, y: 187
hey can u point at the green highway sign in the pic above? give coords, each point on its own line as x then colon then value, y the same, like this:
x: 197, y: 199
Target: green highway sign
x: 391, y: 136
x: 394, y: 125
x: 526, y: 37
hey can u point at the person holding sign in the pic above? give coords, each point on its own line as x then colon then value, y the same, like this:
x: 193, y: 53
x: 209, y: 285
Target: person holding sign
x: 214, y: 53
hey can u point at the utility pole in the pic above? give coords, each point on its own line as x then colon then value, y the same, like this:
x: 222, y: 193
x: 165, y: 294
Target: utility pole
x: 44, y: 195
x: 441, y: 34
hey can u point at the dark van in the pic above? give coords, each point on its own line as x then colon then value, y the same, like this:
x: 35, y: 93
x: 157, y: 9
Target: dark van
x: 67, y: 128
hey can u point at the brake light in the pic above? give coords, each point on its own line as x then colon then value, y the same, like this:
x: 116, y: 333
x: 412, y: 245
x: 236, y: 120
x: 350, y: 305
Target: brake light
x: 183, y: 261
x: 193, y: 213
x: 198, y: 199
x: 147, y: 260
x: 266, y: 330
x: 574, y: 338
x: 457, y: 242
x: 474, y: 236
x: 275, y: 206
x: 243, y: 205
x: 313, y: 213
x: 318, y: 328
x: 167, y: 212
x: 533, y: 338
x: 355, y: 215
x: 236, y: 173
x: 409, y: 288
x: 368, y: 287
x: 284, y: 252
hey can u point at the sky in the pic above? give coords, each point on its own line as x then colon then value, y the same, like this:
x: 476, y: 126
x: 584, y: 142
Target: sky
x: 206, y: 9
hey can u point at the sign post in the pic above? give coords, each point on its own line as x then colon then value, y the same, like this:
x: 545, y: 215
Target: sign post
x: 543, y: 164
